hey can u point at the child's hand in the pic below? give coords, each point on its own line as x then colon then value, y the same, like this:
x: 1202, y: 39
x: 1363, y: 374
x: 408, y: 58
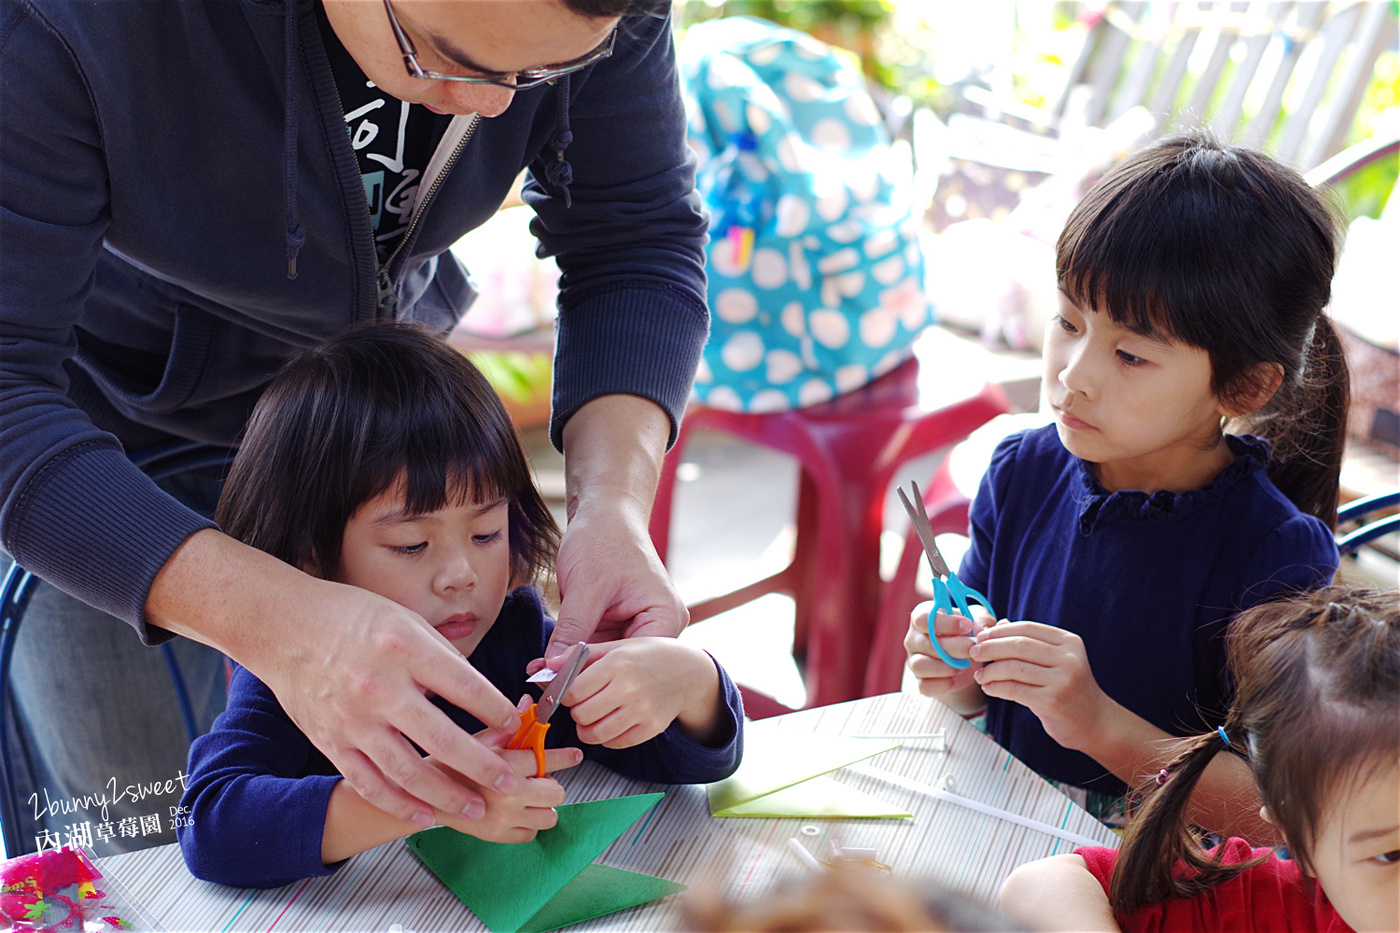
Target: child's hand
x: 633, y: 689
x: 1045, y: 669
x: 955, y: 633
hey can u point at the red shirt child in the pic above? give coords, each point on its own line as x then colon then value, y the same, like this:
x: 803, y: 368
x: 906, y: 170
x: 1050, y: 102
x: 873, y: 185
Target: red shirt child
x: 1271, y: 896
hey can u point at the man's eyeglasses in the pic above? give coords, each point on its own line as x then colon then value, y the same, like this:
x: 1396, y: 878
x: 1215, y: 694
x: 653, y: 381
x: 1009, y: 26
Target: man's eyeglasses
x: 515, y: 80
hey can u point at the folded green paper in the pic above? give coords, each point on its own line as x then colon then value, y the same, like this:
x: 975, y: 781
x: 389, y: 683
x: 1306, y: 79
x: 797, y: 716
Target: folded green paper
x: 549, y: 882
x: 818, y: 797
x: 776, y: 778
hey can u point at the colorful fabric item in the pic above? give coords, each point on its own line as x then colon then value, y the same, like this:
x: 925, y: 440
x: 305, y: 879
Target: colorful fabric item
x: 815, y: 273
x: 57, y: 890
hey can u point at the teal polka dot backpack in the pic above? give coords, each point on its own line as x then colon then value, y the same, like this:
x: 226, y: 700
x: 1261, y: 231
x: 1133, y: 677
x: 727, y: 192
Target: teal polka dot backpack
x: 815, y: 274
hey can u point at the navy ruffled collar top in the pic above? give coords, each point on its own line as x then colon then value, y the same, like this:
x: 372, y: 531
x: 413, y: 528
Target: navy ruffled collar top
x: 1098, y: 506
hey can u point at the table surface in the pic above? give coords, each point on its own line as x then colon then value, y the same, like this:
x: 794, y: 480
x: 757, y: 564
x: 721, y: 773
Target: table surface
x: 944, y: 843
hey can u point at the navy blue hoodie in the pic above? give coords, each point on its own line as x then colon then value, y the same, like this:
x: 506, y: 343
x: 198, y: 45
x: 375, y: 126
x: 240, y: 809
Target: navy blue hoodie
x: 156, y: 188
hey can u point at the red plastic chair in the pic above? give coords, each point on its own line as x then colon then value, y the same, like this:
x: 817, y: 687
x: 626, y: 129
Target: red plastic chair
x: 848, y: 450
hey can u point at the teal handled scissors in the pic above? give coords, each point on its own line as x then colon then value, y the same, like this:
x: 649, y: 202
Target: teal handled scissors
x: 949, y: 593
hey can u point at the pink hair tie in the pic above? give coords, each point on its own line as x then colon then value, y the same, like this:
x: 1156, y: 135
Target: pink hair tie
x: 1162, y: 777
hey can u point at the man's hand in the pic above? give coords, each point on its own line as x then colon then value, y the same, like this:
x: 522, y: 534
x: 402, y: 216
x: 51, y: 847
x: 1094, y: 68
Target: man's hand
x: 351, y: 669
x: 354, y: 825
x: 516, y: 816
x: 611, y: 583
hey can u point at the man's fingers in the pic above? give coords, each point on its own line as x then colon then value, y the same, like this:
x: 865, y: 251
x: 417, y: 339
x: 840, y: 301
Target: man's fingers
x: 448, y: 743
x: 577, y: 620
x: 370, y: 783
x: 660, y: 621
x: 450, y: 676
x: 408, y: 786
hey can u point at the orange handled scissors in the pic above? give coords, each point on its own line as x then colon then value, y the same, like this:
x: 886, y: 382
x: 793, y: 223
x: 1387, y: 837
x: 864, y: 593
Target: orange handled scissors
x: 534, y: 722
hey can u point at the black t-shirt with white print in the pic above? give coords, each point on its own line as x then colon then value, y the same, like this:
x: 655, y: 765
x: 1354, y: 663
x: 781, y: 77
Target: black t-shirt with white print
x: 393, y: 142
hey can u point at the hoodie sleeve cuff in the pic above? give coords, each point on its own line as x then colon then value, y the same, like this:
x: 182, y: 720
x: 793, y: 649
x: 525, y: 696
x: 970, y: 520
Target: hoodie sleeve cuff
x: 642, y: 340
x: 99, y: 529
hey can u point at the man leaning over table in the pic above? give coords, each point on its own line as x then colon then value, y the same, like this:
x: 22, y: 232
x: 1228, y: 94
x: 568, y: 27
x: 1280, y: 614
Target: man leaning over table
x: 191, y: 192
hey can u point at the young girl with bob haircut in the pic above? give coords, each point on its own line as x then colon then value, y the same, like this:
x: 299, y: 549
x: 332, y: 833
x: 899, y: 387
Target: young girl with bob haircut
x: 384, y: 460
x: 1317, y: 715
x: 1193, y: 279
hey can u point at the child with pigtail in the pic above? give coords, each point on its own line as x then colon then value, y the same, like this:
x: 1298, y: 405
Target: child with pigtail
x: 1317, y: 716
x: 1117, y: 543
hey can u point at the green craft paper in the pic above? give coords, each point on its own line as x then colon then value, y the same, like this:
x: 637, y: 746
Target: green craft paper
x: 778, y: 758
x: 597, y: 891
x: 507, y: 885
x: 818, y: 797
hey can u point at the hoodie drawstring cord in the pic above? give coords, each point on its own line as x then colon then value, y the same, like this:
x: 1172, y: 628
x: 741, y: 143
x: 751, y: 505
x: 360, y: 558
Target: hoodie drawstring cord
x: 559, y: 172
x: 296, y: 233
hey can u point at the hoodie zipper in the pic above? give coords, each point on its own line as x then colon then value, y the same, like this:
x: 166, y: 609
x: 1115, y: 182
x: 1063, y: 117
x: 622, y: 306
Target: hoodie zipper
x: 388, y: 299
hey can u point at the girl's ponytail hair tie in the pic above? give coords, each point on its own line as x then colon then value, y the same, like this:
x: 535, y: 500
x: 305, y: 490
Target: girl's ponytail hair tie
x: 1162, y: 777
x: 1220, y: 730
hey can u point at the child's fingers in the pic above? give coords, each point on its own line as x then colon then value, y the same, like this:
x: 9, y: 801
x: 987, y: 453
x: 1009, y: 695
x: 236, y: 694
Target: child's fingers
x: 603, y: 728
x: 538, y: 818
x: 522, y: 760
x: 936, y: 678
x: 982, y: 620
x: 1015, y: 647
x: 560, y: 759
x: 947, y: 624
x: 918, y: 619
x: 1012, y: 691
x: 599, y: 650
x: 1013, y: 671
x: 593, y: 705
x: 953, y: 632
x: 540, y: 794
x: 1025, y: 629
x: 633, y: 736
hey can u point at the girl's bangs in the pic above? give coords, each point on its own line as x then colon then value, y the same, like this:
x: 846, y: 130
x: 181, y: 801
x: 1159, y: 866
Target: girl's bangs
x: 1140, y: 269
x: 445, y: 460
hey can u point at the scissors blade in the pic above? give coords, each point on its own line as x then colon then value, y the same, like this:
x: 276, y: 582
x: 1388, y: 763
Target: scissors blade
x: 918, y: 516
x: 549, y: 700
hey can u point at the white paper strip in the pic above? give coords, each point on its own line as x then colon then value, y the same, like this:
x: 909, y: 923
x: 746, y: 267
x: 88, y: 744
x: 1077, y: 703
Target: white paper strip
x: 969, y: 803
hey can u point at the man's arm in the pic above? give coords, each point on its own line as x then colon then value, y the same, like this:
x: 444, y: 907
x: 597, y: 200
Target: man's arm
x: 350, y: 668
x: 611, y: 582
